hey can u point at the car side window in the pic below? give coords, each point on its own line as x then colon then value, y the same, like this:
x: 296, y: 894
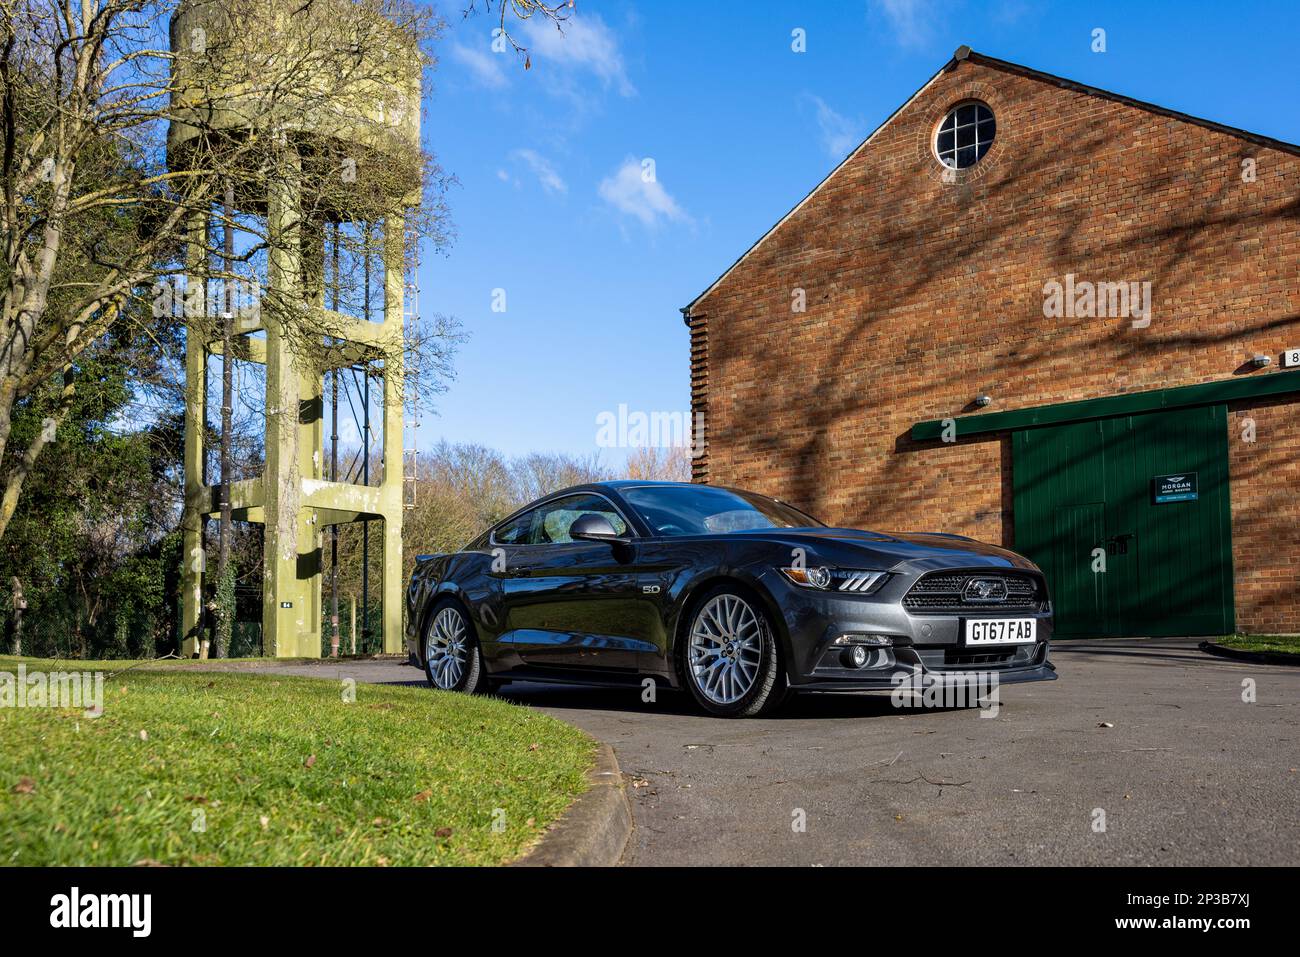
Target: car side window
x: 517, y: 531
x: 554, y: 519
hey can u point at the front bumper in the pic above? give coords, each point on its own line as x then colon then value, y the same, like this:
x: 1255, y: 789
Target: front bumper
x: 924, y: 646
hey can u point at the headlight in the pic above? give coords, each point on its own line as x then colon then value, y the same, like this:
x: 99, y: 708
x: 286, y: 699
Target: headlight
x: 819, y: 577
x: 856, y: 580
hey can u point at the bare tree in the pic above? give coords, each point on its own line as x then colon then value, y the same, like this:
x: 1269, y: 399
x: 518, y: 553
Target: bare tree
x: 660, y: 464
x: 97, y: 216
x: 556, y: 13
x: 463, y: 489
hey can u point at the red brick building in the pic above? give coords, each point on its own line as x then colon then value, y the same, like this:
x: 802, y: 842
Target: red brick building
x: 1042, y: 315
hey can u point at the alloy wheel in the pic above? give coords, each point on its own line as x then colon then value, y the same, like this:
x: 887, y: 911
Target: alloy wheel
x: 446, y: 649
x: 726, y: 649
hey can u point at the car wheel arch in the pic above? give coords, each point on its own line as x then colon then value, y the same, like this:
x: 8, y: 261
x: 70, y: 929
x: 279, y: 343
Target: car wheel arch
x: 433, y: 599
x: 749, y: 587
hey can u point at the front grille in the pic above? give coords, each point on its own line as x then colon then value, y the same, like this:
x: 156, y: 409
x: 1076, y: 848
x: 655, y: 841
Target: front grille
x: 984, y: 659
x: 945, y: 592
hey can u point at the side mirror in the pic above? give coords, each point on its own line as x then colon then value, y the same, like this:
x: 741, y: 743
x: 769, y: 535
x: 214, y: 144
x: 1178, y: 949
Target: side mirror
x: 593, y: 528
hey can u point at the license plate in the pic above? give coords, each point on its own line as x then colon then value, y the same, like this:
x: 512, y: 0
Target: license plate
x: 1000, y: 631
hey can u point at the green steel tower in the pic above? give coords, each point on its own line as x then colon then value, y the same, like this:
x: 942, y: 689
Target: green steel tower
x: 307, y: 131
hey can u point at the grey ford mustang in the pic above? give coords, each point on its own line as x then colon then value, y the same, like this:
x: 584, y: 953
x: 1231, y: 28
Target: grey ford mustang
x: 736, y: 597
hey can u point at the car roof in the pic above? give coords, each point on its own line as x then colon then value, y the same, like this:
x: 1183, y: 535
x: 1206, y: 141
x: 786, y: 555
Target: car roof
x: 635, y: 483
x: 622, y: 485
x: 616, y: 486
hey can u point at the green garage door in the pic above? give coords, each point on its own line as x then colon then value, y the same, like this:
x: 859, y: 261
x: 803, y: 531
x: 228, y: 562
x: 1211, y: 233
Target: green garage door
x: 1128, y: 517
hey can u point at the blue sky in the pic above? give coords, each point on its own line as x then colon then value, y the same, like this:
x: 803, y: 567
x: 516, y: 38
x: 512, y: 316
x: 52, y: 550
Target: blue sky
x: 551, y: 206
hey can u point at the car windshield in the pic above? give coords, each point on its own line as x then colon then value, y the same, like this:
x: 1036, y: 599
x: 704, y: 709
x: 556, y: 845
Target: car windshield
x: 701, y: 510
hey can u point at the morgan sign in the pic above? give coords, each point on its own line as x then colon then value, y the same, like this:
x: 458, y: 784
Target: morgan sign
x: 1175, y: 488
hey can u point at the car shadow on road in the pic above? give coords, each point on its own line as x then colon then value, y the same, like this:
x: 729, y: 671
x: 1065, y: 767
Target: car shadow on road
x: 1155, y: 650
x: 800, y: 706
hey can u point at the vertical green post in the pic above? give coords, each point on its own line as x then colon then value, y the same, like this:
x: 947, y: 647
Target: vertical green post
x: 283, y: 611
x: 311, y: 449
x: 195, y: 504
x: 391, y: 491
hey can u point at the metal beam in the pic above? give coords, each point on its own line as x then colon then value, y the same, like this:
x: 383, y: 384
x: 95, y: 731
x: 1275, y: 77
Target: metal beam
x: 286, y: 611
x: 194, y: 561
x: 1206, y: 393
x: 391, y: 488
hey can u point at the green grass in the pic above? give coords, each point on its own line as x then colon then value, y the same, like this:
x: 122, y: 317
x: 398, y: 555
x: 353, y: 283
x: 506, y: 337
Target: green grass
x: 110, y: 665
x: 1288, y: 644
x: 283, y: 770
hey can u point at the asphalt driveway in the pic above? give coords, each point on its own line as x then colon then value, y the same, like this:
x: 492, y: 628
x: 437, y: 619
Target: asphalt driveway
x: 1143, y: 753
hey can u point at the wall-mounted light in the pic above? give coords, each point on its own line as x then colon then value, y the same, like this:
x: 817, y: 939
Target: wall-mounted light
x: 1260, y: 361
x: 983, y: 400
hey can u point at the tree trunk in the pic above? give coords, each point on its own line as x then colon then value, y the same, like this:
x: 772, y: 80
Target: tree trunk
x: 22, y: 468
x: 20, y: 605
x: 26, y: 298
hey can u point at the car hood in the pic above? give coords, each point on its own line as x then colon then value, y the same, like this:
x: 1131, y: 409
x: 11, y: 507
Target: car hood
x: 895, y: 551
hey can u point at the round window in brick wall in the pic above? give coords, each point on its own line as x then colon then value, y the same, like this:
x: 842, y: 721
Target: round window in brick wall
x: 965, y: 135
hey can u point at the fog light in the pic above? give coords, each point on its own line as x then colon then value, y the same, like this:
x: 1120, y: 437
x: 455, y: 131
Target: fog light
x: 858, y: 655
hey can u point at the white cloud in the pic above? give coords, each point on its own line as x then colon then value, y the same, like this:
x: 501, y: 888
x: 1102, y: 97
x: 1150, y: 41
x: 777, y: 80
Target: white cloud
x: 543, y: 170
x: 586, y: 43
x: 629, y: 190
x: 839, y: 133
x: 911, y: 20
x: 483, y: 64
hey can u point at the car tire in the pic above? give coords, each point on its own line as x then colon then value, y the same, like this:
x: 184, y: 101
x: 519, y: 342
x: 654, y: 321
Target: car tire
x: 452, y: 659
x: 729, y: 658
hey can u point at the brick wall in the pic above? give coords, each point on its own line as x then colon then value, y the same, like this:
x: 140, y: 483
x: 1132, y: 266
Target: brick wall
x: 921, y: 295
x: 1265, y: 518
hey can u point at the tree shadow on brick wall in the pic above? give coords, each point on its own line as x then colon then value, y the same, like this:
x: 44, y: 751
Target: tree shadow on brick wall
x: 833, y: 403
